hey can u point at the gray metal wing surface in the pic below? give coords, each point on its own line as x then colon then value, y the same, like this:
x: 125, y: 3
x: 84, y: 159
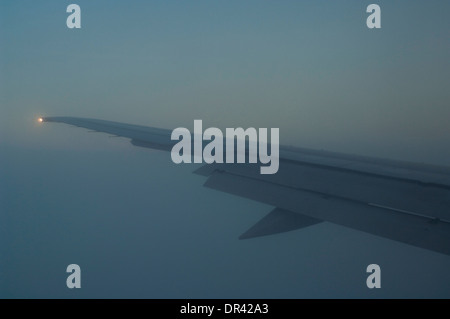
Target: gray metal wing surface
x: 401, y: 201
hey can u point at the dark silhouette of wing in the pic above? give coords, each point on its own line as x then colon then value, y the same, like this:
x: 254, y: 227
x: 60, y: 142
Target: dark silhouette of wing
x: 402, y: 201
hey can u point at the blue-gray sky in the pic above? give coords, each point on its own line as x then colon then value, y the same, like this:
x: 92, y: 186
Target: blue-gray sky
x: 311, y: 68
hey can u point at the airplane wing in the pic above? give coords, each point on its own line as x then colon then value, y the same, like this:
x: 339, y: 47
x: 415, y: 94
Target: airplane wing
x: 401, y: 201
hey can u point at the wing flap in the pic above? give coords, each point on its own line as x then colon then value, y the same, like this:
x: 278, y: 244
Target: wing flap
x: 419, y: 231
x: 420, y: 198
x: 279, y: 221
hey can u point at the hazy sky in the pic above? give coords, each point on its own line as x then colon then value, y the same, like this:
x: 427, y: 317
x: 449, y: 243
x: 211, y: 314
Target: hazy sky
x: 311, y: 68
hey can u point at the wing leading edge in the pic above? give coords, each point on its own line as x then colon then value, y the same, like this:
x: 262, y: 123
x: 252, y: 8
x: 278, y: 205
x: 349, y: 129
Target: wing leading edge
x: 402, y: 201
